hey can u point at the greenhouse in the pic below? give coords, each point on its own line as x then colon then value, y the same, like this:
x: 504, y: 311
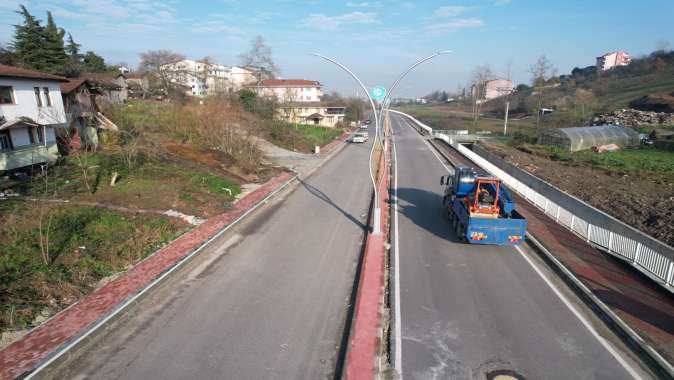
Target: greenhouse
x: 581, y: 138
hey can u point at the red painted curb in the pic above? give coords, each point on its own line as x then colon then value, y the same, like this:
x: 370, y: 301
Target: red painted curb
x: 365, y: 339
x: 27, y: 353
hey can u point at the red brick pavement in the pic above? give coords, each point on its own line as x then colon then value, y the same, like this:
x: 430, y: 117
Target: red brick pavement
x: 28, y: 352
x: 365, y: 339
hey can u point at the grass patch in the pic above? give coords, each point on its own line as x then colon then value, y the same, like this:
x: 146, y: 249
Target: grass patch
x: 627, y: 160
x: 298, y: 137
x: 442, y: 117
x: 86, y: 244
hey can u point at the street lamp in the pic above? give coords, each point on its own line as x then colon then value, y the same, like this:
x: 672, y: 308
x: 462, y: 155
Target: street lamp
x: 384, y: 104
x: 376, y: 228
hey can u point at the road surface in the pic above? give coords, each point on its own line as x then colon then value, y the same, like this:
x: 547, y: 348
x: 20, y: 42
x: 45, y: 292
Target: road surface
x: 270, y: 301
x: 467, y: 310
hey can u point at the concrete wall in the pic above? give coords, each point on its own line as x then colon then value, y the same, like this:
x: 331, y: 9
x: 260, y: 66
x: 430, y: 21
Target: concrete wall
x: 26, y: 104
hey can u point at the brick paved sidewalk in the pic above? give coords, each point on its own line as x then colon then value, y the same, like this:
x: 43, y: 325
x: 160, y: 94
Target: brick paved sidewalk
x: 36, y: 346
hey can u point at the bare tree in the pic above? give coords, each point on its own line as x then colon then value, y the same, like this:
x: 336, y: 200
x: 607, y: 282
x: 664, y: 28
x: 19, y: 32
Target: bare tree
x: 481, y: 75
x: 541, y: 71
x: 259, y: 56
x: 159, y: 63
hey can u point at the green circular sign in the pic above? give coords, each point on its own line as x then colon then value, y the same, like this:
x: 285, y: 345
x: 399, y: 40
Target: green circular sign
x: 378, y: 92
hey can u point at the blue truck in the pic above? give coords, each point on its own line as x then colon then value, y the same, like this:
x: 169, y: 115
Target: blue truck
x: 481, y: 209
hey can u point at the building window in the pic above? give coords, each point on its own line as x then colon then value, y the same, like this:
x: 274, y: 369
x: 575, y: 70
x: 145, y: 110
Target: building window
x: 40, y: 134
x: 45, y: 90
x: 38, y: 98
x: 6, y: 95
x: 5, y: 141
x: 31, y: 135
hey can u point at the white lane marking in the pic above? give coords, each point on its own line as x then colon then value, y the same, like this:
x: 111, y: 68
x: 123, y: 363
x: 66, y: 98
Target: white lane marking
x: 398, y: 355
x: 432, y: 150
x: 566, y: 302
x: 580, y: 317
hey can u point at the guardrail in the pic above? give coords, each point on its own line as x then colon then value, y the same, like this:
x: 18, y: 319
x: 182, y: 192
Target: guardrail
x: 647, y: 254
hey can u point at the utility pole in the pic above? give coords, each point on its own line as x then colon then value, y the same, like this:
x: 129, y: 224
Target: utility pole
x: 505, y: 122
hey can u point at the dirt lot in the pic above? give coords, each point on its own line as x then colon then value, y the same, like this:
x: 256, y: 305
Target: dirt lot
x: 642, y: 198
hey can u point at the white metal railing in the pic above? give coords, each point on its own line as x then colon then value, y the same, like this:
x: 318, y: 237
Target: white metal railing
x: 652, y: 263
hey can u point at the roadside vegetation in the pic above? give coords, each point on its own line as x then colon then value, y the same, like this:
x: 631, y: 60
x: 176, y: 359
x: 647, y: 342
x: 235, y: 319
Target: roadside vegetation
x: 97, y: 212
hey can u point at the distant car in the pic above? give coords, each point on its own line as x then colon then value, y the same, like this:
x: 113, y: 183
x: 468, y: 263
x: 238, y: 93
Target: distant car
x: 367, y: 121
x: 363, y: 126
x: 358, y: 138
x: 365, y: 135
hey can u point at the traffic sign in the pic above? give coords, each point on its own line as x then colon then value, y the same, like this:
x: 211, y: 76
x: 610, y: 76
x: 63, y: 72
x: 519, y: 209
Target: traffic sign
x: 378, y: 92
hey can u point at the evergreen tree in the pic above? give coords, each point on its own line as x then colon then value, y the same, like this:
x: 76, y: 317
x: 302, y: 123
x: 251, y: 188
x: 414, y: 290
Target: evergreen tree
x: 73, y: 48
x: 93, y: 63
x: 74, y: 62
x: 29, y: 39
x: 53, y: 47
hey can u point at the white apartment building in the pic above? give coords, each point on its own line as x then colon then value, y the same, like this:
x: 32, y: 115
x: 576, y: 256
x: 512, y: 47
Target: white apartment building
x: 209, y: 78
x: 31, y: 108
x: 611, y: 60
x: 289, y: 90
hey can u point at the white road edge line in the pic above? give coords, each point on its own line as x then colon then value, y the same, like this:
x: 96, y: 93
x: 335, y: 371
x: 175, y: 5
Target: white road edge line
x: 398, y: 355
x: 580, y: 317
x: 566, y: 302
x: 152, y: 284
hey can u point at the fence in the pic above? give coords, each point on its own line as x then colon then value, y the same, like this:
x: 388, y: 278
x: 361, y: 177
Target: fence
x: 651, y: 256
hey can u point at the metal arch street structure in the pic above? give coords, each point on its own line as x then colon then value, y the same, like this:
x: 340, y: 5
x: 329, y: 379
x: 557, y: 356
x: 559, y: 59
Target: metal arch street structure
x: 376, y: 228
x: 386, y: 102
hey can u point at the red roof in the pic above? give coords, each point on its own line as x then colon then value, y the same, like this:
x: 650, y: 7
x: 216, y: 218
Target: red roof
x: 17, y: 72
x: 71, y: 85
x: 289, y: 83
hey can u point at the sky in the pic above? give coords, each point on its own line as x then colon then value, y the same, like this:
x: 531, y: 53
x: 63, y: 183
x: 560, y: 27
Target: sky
x: 376, y: 39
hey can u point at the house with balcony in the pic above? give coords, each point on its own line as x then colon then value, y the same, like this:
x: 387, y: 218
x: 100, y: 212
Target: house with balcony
x: 300, y: 101
x: 31, y: 109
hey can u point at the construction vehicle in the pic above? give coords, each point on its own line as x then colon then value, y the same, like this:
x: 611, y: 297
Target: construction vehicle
x: 481, y: 209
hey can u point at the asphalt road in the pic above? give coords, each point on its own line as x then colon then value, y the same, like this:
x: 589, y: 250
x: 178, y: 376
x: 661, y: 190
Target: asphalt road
x: 468, y: 310
x: 269, y: 302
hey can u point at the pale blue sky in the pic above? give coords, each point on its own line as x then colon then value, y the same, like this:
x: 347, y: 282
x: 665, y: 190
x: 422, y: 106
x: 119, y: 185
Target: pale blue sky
x: 377, y: 39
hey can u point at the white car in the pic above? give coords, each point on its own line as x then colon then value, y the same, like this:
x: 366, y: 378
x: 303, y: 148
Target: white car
x: 358, y: 138
x: 365, y: 135
x: 363, y: 126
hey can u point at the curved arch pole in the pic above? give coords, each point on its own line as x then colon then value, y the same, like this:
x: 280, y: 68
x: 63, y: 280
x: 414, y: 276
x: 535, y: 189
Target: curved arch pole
x: 376, y: 228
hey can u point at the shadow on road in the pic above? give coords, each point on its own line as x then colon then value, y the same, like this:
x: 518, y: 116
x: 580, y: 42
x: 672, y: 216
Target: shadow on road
x: 425, y: 209
x: 321, y: 195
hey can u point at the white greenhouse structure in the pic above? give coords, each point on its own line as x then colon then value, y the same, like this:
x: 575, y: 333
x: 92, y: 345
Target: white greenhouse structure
x: 581, y: 138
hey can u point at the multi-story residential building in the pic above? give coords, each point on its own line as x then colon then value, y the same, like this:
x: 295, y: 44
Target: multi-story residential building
x: 289, y: 90
x: 300, y: 101
x: 204, y: 78
x: 611, y: 60
x: 30, y: 109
